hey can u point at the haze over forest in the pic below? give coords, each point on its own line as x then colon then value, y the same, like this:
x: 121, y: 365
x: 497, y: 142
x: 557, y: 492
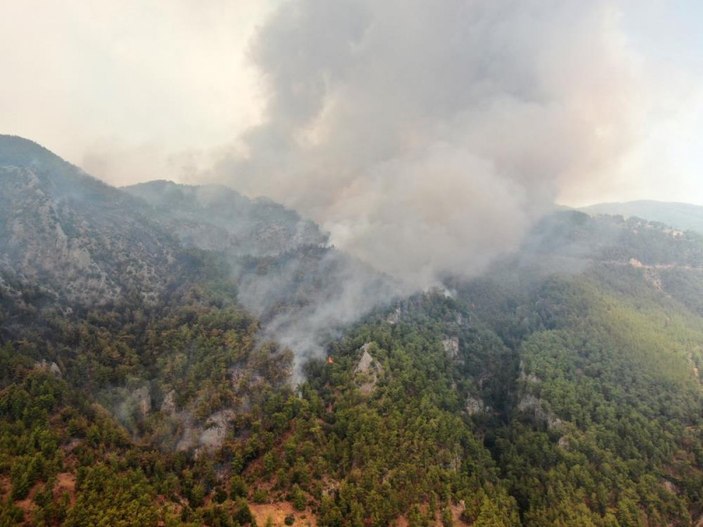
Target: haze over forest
x: 351, y: 264
x: 378, y: 121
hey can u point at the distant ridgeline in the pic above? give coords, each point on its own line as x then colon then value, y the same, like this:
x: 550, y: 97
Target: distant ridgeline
x: 682, y: 216
x: 177, y: 355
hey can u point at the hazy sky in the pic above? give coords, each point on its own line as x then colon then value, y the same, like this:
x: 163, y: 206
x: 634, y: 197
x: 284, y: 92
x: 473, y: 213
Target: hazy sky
x: 138, y: 89
x: 123, y: 87
x: 406, y: 120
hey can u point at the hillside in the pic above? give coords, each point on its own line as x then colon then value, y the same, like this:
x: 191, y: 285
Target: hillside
x: 269, y: 378
x: 73, y: 236
x: 301, y: 289
x: 217, y: 218
x: 682, y: 216
x: 603, y: 417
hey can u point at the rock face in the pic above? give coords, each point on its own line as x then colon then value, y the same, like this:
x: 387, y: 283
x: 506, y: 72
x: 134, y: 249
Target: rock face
x: 203, y: 438
x: 83, y: 241
x: 367, y: 371
x: 216, y: 426
x: 534, y: 406
x: 451, y: 347
x: 394, y: 317
x: 51, y: 367
x: 54, y: 368
x: 143, y: 400
x: 474, y: 406
x: 186, y: 433
x: 189, y: 435
x: 365, y: 363
x: 168, y: 405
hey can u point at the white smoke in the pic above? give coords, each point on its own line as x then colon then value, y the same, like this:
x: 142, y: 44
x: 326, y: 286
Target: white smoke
x: 426, y: 136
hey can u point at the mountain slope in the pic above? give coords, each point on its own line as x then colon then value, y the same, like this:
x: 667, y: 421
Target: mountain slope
x: 681, y: 216
x: 563, y: 387
x: 217, y: 218
x: 603, y: 423
x: 302, y: 289
x: 72, y: 235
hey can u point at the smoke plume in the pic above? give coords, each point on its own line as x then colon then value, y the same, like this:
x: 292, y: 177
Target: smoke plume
x: 426, y: 137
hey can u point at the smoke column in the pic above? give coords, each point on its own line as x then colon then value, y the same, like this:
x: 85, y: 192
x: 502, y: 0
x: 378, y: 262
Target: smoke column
x: 427, y: 136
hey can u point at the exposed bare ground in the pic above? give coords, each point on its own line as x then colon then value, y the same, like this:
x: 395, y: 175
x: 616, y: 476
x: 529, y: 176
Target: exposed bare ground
x: 278, y: 512
x: 66, y: 482
x: 456, y: 514
x: 27, y: 505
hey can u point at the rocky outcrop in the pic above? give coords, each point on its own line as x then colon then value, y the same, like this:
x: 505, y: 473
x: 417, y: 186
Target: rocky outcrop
x: 367, y: 371
x: 451, y: 347
x: 365, y: 363
x: 474, y: 406
x: 204, y: 438
x: 51, y: 367
x: 189, y: 433
x: 142, y: 397
x: 534, y: 406
x: 215, y: 431
x: 84, y: 241
x: 168, y: 405
x: 394, y: 317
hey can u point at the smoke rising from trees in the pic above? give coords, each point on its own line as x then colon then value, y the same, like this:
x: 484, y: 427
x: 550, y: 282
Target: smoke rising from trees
x: 427, y: 137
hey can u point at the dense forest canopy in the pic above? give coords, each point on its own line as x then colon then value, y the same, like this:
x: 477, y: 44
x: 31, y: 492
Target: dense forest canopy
x: 144, y: 382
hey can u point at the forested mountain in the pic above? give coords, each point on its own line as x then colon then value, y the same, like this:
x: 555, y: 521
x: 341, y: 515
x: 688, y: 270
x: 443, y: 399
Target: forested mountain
x: 301, y: 289
x: 682, y: 216
x: 75, y: 238
x: 177, y: 355
x: 217, y: 218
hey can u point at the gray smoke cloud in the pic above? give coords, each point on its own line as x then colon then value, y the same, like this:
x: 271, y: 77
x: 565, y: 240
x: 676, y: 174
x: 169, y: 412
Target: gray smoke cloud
x: 306, y: 298
x: 427, y: 137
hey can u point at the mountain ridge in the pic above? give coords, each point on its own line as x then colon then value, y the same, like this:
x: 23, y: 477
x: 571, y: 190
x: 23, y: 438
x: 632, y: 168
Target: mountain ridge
x: 75, y: 233
x: 561, y: 387
x: 683, y: 216
x: 222, y: 219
